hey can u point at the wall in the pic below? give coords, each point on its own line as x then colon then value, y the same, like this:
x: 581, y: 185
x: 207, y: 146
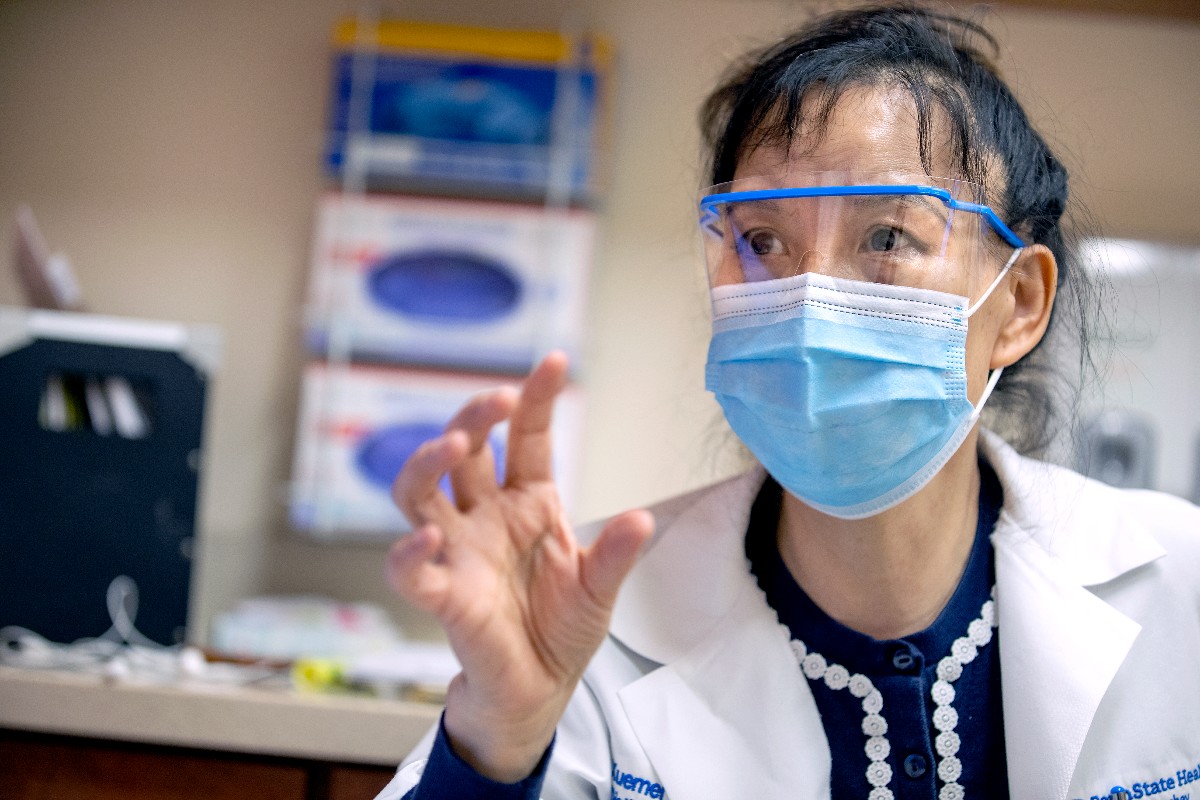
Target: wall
x: 172, y: 150
x: 1156, y: 290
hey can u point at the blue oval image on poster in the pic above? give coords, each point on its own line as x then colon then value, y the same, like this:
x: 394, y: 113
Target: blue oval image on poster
x: 447, y: 287
x: 382, y: 453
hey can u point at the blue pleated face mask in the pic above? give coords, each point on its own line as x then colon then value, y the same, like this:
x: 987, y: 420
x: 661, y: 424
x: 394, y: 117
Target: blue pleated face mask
x: 839, y: 334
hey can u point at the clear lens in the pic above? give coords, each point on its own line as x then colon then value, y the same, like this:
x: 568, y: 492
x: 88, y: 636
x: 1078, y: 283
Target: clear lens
x: 891, y: 229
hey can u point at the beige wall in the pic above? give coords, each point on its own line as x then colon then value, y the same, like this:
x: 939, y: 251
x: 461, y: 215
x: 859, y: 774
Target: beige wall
x: 172, y: 150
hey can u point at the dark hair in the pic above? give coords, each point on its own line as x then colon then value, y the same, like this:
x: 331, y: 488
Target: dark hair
x: 936, y: 57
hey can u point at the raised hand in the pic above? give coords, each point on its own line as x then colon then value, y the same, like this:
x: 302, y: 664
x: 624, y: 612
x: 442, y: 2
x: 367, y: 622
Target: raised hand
x: 523, y: 605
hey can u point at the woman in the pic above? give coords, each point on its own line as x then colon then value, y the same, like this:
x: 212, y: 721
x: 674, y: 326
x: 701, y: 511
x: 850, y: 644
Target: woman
x: 897, y: 604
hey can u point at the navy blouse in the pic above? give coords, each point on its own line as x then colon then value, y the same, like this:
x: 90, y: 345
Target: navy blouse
x: 903, y: 670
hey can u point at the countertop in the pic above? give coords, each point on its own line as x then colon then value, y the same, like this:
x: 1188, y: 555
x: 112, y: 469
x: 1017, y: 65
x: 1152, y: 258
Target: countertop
x: 264, y: 721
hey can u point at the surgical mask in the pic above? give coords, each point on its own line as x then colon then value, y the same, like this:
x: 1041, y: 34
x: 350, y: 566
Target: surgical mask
x: 851, y: 394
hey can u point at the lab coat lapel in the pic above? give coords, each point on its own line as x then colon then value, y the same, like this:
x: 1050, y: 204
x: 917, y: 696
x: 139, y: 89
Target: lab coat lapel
x: 1060, y: 644
x: 691, y: 573
x: 728, y: 714
x: 733, y: 717
x: 1060, y: 647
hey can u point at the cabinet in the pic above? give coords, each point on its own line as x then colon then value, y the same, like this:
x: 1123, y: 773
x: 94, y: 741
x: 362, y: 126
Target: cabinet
x: 113, y: 408
x: 37, y: 766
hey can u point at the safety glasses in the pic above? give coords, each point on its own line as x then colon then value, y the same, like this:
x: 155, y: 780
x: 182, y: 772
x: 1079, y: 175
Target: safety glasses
x: 896, y: 229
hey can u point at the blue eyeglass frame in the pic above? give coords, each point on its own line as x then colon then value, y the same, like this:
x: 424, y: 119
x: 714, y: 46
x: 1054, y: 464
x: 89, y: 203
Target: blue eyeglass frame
x: 708, y: 202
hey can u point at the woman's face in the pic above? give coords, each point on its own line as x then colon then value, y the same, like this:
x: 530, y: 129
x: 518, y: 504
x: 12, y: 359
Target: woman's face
x: 873, y: 132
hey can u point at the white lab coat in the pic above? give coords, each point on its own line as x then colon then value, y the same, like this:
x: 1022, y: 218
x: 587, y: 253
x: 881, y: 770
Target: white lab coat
x: 696, y: 694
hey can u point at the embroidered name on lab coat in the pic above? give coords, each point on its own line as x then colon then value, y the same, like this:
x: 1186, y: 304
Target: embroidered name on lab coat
x: 641, y: 787
x: 1158, y: 787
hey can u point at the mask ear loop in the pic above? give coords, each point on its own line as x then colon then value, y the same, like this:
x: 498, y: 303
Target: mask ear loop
x: 994, y: 378
x: 987, y: 392
x: 1007, y: 266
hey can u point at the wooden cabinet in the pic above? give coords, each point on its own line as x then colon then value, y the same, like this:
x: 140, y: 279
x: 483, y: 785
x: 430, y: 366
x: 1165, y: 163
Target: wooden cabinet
x: 49, y: 767
x: 352, y: 782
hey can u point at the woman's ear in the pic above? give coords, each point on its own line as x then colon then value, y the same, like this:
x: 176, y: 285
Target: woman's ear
x: 1034, y: 278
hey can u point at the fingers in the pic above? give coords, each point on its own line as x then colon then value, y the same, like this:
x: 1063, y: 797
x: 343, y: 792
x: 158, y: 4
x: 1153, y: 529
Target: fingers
x: 613, y: 554
x: 475, y: 477
x: 412, y: 568
x: 529, y: 446
x: 416, y: 490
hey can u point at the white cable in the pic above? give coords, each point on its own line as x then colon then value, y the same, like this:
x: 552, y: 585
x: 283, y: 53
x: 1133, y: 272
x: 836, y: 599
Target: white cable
x: 21, y: 647
x: 122, y: 601
x: 122, y: 652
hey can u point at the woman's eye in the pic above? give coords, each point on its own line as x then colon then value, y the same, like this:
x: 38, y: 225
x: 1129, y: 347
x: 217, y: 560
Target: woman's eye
x: 883, y: 240
x: 763, y: 243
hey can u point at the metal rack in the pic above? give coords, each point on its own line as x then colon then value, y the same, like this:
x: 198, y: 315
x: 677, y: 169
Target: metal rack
x: 557, y: 199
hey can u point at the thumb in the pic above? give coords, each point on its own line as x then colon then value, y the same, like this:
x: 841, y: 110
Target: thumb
x: 613, y: 554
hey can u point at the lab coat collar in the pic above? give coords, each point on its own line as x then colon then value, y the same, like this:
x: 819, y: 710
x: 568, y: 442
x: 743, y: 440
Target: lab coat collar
x: 1082, y: 525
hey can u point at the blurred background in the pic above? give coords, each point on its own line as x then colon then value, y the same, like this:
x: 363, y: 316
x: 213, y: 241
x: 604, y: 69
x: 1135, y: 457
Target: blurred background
x: 175, y: 150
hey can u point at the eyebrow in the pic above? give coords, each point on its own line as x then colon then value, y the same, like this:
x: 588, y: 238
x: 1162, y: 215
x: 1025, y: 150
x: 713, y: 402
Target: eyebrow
x: 766, y: 207
x: 766, y: 204
x: 931, y: 204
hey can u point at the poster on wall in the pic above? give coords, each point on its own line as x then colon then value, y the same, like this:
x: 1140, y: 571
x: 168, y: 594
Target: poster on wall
x: 358, y: 424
